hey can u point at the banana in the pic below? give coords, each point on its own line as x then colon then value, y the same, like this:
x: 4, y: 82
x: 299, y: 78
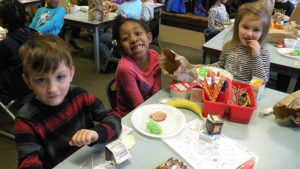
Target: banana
x: 183, y: 103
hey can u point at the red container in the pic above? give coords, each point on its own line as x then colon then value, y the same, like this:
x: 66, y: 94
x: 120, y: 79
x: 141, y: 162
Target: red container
x: 219, y: 106
x: 237, y: 113
x: 241, y: 114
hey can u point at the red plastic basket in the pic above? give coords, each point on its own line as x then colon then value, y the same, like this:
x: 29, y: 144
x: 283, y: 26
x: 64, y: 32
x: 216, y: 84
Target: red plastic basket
x: 219, y: 106
x: 241, y: 114
x: 237, y: 113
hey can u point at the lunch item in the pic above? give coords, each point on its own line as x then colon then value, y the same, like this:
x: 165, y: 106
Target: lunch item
x: 214, y: 124
x: 158, y: 116
x: 153, y: 127
x: 180, y: 89
x: 296, y: 52
x: 290, y: 43
x: 3, y: 33
x: 116, y: 152
x: 172, y: 163
x: 258, y: 87
x: 196, y: 91
x: 187, y: 104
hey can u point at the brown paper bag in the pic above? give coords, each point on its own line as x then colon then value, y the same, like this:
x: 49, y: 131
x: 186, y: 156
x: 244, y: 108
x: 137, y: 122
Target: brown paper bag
x: 288, y: 107
x: 278, y: 35
x: 95, y: 12
x: 296, y: 14
x: 269, y: 4
x: 176, y: 66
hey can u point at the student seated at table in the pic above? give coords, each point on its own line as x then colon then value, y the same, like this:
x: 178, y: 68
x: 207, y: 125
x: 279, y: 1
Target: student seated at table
x: 129, y: 9
x: 138, y: 75
x: 282, y: 10
x: 245, y: 55
x: 50, y: 19
x: 12, y: 14
x: 60, y: 118
x: 218, y: 18
x: 147, y: 10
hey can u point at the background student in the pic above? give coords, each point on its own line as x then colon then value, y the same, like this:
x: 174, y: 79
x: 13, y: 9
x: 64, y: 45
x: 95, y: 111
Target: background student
x: 218, y: 18
x: 138, y: 75
x: 60, y: 117
x: 50, y: 19
x: 282, y: 10
x: 245, y: 55
x: 147, y: 10
x: 13, y: 16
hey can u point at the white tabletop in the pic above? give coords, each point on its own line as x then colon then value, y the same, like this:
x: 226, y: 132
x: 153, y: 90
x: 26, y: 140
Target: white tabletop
x: 277, y: 146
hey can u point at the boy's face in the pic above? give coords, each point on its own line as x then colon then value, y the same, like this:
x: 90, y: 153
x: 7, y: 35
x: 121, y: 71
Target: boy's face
x: 51, y: 88
x: 52, y: 3
x: 135, y: 40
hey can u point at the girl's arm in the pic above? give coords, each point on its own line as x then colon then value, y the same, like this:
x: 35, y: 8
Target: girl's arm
x: 34, y: 22
x: 57, y: 20
x: 261, y: 65
x: 127, y: 79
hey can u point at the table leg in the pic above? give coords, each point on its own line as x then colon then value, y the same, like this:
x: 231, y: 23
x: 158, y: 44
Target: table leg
x: 96, y: 49
x: 292, y: 84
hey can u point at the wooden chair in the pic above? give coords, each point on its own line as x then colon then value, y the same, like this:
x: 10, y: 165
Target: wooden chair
x: 112, y: 93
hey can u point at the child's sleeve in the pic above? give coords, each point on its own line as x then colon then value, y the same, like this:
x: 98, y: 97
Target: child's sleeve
x: 261, y: 65
x: 109, y: 127
x: 35, y: 19
x: 127, y: 79
x: 28, y: 145
x: 55, y: 22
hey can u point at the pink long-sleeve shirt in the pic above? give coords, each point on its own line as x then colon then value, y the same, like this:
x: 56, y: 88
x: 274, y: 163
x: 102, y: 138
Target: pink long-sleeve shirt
x: 135, y: 86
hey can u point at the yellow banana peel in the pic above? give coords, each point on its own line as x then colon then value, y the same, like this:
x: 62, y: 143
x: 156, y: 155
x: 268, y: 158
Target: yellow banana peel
x: 187, y: 104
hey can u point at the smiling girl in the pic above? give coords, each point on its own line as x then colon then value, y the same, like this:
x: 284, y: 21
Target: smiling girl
x: 138, y: 75
x: 245, y: 55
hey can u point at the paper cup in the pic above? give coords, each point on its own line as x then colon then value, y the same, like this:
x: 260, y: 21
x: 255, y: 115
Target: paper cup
x: 290, y: 43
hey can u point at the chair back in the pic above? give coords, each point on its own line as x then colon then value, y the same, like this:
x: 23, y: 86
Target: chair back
x: 112, y: 93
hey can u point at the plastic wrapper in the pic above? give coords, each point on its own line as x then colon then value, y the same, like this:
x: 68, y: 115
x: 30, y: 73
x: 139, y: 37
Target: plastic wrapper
x: 172, y: 163
x: 177, y: 67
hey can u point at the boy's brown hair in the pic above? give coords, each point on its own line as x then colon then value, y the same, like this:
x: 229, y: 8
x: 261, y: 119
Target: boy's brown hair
x: 44, y: 53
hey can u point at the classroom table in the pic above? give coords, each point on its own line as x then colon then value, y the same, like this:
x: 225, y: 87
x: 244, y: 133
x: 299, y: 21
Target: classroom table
x: 30, y: 3
x: 279, y: 63
x: 276, y: 145
x: 80, y: 19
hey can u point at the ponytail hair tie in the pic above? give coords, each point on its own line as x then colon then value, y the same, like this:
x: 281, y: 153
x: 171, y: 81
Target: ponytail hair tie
x: 124, y: 16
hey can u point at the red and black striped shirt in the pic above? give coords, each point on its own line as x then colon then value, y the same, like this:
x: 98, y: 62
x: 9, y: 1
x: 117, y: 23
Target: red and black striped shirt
x: 43, y: 132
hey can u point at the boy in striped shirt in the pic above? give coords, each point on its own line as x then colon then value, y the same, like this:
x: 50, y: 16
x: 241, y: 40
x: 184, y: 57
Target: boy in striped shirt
x: 60, y: 118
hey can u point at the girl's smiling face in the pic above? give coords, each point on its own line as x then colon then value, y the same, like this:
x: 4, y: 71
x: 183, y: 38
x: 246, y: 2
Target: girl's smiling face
x: 250, y: 28
x: 135, y: 40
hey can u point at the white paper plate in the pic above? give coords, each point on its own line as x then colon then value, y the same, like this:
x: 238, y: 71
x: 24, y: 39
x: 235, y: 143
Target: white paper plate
x: 172, y: 125
x: 287, y: 52
x: 223, y: 72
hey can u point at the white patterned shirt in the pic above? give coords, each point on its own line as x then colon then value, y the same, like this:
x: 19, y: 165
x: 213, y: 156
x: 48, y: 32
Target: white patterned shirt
x: 147, y: 11
x: 218, y: 18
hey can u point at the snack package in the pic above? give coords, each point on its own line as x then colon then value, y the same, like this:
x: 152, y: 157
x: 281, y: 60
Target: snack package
x: 3, y: 33
x: 177, y: 67
x: 172, y: 163
x: 258, y: 87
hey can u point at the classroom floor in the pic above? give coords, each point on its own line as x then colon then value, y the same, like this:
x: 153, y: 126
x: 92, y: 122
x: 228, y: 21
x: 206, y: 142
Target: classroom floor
x: 88, y: 78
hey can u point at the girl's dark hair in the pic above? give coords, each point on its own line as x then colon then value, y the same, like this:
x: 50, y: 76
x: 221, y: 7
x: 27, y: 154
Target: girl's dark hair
x: 120, y: 20
x: 211, y: 3
x: 13, y: 14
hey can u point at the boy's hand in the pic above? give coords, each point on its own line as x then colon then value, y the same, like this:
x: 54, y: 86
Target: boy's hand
x: 255, y: 46
x: 83, y: 137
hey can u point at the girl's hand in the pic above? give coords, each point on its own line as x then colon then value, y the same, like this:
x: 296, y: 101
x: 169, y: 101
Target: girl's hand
x: 255, y: 46
x: 83, y: 137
